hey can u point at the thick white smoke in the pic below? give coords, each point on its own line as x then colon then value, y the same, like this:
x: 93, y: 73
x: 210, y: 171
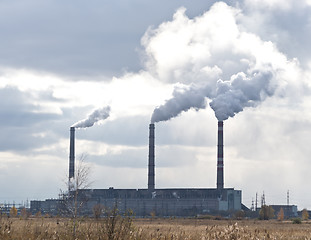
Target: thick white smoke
x: 230, y: 98
x: 219, y: 60
x: 240, y: 92
x: 184, y: 98
x: 97, y: 115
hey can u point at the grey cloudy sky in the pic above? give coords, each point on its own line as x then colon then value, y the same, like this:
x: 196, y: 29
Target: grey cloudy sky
x: 59, y: 61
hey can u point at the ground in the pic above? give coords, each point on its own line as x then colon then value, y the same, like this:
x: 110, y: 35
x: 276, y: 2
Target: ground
x: 151, y: 228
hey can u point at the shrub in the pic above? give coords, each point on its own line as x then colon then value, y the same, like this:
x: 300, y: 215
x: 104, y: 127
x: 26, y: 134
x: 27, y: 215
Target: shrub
x: 266, y: 212
x: 13, y: 212
x: 97, y: 211
x: 281, y: 215
x: 239, y: 214
x: 305, y: 214
x: 296, y: 220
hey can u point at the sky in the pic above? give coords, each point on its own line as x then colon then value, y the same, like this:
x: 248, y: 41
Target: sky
x: 181, y: 64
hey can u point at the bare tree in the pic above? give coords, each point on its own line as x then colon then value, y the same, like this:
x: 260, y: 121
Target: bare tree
x: 98, y: 211
x: 73, y: 199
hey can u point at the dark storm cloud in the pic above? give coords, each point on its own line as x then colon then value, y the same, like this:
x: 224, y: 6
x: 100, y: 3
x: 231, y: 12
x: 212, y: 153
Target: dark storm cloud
x: 20, y: 121
x: 80, y: 38
x: 17, y: 108
x: 21, y: 139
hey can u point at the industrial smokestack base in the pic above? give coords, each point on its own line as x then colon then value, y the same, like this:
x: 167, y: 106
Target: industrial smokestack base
x: 151, y: 157
x: 72, y: 153
x: 220, y: 157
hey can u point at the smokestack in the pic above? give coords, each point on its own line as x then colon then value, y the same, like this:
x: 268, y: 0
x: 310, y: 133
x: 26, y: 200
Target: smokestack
x: 220, y: 157
x: 151, y: 158
x: 72, y: 153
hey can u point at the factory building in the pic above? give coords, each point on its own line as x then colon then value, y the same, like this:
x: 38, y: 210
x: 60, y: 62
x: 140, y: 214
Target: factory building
x: 161, y: 202
x: 49, y: 206
x: 289, y: 211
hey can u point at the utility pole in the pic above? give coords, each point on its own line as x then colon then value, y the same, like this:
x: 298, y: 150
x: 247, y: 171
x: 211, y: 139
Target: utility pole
x: 252, y: 208
x: 287, y: 209
x: 263, y: 199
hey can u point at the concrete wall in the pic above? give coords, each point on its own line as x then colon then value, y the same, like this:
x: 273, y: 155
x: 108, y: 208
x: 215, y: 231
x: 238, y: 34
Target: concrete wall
x: 160, y: 207
x: 165, y: 202
x: 161, y: 202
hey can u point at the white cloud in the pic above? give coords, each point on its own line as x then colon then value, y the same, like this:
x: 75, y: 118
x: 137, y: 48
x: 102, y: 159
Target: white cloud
x: 276, y: 4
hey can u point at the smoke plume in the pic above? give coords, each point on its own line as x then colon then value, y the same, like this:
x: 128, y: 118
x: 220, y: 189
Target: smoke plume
x: 184, y: 98
x: 229, y: 98
x: 97, y: 115
x: 240, y: 92
x: 216, y: 59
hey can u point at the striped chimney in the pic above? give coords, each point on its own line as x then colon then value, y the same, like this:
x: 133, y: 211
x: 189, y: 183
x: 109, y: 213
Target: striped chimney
x: 220, y: 157
x: 151, y: 174
x: 72, y: 153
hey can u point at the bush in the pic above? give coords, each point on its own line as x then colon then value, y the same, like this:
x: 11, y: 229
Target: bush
x: 13, y: 212
x: 296, y: 221
x: 305, y: 214
x: 239, y: 215
x: 266, y: 212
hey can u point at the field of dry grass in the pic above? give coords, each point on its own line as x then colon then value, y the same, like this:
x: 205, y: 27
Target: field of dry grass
x: 224, y: 229
x: 128, y: 228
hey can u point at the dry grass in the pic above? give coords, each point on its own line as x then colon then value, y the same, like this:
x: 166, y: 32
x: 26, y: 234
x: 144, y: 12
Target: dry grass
x: 224, y: 229
x: 126, y: 228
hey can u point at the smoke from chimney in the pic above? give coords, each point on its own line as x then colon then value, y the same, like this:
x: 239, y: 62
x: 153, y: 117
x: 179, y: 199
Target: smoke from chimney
x: 227, y: 97
x: 184, y: 98
x: 97, y: 115
x: 240, y: 92
x: 72, y: 154
x: 151, y: 157
x: 220, y: 157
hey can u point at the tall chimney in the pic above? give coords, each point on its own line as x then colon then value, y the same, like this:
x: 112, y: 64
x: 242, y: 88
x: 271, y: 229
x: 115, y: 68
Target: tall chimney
x: 72, y: 153
x: 151, y: 158
x: 220, y: 157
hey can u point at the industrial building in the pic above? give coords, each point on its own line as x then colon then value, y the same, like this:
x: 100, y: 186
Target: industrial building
x: 161, y: 202
x: 289, y: 211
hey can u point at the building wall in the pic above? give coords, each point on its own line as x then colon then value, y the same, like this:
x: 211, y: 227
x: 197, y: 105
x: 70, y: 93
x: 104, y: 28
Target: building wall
x: 49, y: 206
x: 159, y: 207
x: 161, y: 202
x: 289, y: 210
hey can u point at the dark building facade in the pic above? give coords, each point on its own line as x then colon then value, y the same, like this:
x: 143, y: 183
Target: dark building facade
x: 161, y: 202
x: 289, y: 210
x: 166, y: 202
